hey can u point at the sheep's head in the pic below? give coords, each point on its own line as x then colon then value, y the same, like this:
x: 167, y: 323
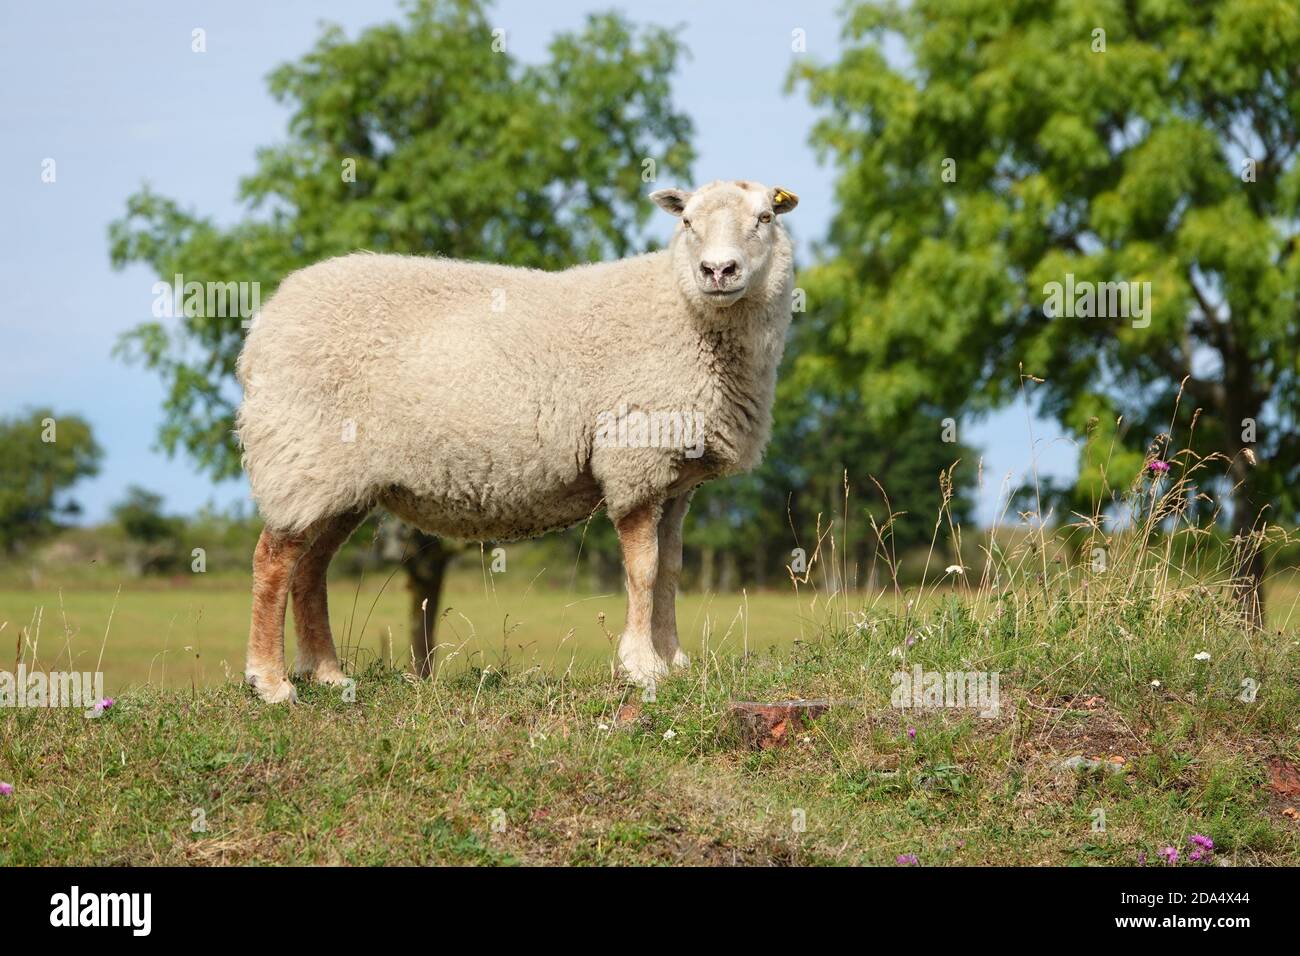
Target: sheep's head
x: 727, y: 237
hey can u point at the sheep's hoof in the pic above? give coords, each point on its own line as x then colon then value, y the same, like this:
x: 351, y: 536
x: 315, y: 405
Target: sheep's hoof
x: 273, y: 690
x: 322, y: 672
x: 642, y: 669
x: 333, y: 676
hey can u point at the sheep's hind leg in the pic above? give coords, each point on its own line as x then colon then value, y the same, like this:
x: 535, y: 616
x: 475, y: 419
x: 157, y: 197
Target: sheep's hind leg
x: 638, y: 536
x: 317, y: 659
x: 274, y: 561
x: 664, y: 620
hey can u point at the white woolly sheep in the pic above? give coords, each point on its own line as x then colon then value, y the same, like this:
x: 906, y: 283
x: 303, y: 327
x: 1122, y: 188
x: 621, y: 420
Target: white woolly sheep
x: 486, y: 402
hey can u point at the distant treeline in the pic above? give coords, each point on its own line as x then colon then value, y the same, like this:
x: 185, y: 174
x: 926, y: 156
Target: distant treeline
x: 142, y: 543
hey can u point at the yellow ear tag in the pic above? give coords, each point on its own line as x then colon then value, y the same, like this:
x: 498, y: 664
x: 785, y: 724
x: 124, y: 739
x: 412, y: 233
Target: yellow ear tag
x: 780, y: 196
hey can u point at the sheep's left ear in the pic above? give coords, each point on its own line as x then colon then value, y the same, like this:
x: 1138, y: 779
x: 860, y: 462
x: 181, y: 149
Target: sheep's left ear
x: 783, y: 200
x: 670, y: 200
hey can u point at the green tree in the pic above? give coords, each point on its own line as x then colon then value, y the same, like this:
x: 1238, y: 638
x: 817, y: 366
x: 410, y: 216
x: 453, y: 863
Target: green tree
x: 141, y: 516
x: 1022, y: 142
x: 424, y: 136
x: 44, y: 455
x: 154, y: 536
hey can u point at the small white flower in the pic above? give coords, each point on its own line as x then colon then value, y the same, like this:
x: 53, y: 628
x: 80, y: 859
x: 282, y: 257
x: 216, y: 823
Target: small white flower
x: 954, y: 569
x: 669, y: 734
x: 603, y: 727
x: 1155, y: 683
x: 1203, y: 656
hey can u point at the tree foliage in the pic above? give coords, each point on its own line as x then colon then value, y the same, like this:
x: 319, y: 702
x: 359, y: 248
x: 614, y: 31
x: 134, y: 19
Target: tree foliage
x: 44, y: 454
x: 140, y: 515
x: 1145, y: 141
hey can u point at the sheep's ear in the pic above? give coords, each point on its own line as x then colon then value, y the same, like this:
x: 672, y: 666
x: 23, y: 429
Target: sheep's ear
x: 670, y: 200
x: 783, y: 200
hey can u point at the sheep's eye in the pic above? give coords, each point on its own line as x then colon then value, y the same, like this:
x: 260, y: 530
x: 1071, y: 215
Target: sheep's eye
x: 686, y: 223
x: 764, y: 217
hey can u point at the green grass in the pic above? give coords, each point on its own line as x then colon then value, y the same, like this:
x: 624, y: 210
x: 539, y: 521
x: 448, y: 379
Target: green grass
x: 522, y: 750
x: 1120, y: 641
x: 192, y: 634
x: 420, y: 772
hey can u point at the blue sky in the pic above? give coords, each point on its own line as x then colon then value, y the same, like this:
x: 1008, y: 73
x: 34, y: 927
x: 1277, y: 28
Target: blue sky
x: 114, y: 94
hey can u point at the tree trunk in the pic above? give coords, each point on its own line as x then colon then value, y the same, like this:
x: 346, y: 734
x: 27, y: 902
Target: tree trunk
x: 1244, y: 405
x: 425, y: 569
x: 595, y: 573
x: 707, y: 555
x: 1250, y: 554
x: 727, y: 580
x: 760, y: 565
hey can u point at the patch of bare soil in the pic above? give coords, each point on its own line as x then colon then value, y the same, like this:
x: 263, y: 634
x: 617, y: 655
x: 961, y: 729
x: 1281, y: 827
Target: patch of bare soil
x: 1284, y: 788
x: 1082, y: 726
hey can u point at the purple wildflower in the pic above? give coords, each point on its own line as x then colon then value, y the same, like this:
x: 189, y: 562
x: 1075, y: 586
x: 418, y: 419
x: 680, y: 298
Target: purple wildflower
x: 906, y: 859
x: 1170, y: 854
x: 911, y: 733
x: 1159, y: 467
x: 1203, y: 842
x: 1142, y: 858
x: 106, y: 703
x: 1194, y: 856
x: 6, y: 789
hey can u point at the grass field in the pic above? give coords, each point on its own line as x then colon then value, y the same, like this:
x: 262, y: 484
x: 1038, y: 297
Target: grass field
x: 522, y: 758
x: 1137, y: 709
x: 182, y: 636
x: 196, y: 635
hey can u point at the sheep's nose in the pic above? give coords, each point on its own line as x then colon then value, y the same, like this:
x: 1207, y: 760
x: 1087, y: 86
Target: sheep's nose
x: 719, y: 272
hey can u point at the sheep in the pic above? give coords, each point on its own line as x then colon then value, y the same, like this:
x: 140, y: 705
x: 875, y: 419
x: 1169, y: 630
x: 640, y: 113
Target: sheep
x: 494, y: 403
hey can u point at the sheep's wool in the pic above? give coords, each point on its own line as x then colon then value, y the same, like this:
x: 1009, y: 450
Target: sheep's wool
x: 487, y: 402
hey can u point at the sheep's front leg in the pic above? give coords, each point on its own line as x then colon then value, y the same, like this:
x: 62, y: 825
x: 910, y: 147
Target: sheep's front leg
x: 638, y: 535
x: 274, y: 563
x: 670, y: 570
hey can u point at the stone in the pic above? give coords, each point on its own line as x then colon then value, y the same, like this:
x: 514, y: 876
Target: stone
x: 765, y: 726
